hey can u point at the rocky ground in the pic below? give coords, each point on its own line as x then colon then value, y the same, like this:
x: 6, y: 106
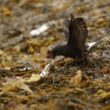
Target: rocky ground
x: 22, y: 55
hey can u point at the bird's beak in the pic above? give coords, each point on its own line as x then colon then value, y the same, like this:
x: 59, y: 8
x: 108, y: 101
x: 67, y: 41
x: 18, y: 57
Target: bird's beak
x: 49, y: 54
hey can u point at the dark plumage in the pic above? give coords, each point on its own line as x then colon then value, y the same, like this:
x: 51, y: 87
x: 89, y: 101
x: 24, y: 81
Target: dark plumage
x: 75, y: 47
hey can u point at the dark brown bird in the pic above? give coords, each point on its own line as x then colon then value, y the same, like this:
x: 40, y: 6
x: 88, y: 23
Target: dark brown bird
x: 75, y: 46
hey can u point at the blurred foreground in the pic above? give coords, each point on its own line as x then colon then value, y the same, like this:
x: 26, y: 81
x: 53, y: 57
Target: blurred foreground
x: 23, y: 56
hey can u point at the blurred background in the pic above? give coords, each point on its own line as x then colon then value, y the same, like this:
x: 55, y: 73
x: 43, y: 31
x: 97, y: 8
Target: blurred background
x: 19, y: 17
x: 28, y: 28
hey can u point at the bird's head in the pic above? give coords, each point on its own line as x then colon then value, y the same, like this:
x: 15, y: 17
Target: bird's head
x: 55, y: 51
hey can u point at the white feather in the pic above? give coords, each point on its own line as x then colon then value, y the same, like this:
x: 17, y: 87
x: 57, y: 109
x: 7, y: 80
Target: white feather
x: 90, y: 45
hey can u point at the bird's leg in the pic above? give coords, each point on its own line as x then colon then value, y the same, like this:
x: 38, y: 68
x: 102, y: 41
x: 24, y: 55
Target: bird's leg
x: 52, y: 69
x: 53, y: 79
x: 84, y: 60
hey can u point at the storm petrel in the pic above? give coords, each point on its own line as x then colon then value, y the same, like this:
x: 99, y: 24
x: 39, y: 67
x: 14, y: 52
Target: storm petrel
x: 75, y: 46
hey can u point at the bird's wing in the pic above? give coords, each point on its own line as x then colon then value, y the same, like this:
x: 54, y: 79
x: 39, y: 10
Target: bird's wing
x: 77, y: 33
x: 66, y: 23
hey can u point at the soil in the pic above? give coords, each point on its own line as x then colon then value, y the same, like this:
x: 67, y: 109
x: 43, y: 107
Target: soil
x: 70, y: 85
